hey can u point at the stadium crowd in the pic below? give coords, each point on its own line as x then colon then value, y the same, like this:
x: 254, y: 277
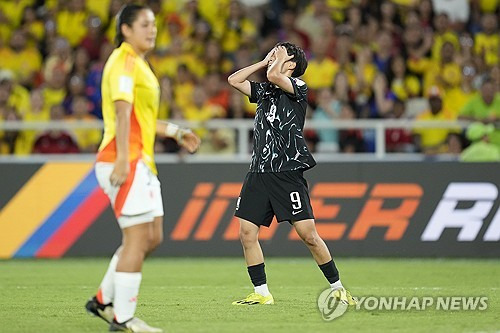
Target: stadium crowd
x: 389, y: 59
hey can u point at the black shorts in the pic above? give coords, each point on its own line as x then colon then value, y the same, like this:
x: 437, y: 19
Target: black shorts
x: 264, y: 195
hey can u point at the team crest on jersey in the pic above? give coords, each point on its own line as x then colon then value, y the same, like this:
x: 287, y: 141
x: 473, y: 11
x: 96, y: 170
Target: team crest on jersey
x: 125, y: 84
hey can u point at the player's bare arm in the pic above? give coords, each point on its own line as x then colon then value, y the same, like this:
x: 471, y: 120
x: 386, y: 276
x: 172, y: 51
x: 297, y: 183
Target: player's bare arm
x: 278, y: 68
x: 184, y: 136
x: 122, y: 167
x: 239, y: 79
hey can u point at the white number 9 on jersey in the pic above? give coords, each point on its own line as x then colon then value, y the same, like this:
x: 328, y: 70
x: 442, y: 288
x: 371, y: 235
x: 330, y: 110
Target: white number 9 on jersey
x: 295, y: 198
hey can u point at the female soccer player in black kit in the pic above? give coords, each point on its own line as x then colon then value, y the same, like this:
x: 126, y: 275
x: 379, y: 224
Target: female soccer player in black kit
x: 275, y: 184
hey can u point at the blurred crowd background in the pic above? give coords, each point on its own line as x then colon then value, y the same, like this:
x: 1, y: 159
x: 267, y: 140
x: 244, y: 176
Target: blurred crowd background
x: 400, y: 59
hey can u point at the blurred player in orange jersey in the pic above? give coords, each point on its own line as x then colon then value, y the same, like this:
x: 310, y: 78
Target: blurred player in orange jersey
x: 125, y: 167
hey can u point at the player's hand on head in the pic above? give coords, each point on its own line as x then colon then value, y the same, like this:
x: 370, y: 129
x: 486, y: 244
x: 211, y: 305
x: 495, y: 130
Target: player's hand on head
x: 282, y: 54
x: 120, y: 172
x: 190, y: 141
x: 268, y: 58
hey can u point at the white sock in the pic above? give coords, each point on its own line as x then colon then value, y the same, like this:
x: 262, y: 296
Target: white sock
x: 336, y: 285
x: 126, y: 292
x: 107, y: 286
x: 262, y: 290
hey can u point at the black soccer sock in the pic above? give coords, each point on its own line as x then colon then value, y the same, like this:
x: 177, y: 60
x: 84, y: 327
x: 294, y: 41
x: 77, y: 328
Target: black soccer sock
x: 257, y: 274
x: 330, y: 271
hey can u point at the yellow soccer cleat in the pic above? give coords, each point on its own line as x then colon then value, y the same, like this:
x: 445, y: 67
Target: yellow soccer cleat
x: 255, y: 299
x: 344, y: 296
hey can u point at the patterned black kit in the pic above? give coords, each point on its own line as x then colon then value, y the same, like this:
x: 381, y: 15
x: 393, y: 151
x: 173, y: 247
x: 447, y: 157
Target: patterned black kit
x: 275, y: 184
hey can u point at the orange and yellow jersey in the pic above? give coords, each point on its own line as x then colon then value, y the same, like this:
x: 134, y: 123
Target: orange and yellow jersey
x: 127, y: 77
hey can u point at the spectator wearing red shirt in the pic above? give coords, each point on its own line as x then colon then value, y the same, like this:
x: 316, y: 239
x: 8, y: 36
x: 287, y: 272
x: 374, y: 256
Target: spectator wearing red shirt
x: 55, y: 141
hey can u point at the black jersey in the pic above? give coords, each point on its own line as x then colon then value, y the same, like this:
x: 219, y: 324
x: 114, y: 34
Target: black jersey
x: 279, y: 143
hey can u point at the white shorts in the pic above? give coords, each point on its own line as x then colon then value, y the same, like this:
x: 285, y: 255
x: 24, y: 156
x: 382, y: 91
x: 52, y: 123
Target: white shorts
x: 136, y: 201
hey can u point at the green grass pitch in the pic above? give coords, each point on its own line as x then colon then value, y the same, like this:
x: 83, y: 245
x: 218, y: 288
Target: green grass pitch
x: 195, y: 295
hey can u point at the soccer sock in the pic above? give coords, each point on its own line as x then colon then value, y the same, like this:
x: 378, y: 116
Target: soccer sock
x: 126, y: 291
x: 106, y: 290
x: 336, y: 285
x: 330, y: 271
x: 258, y: 276
x: 262, y: 290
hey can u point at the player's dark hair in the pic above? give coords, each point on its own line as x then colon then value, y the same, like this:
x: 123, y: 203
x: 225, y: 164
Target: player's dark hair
x: 127, y: 15
x: 299, y: 57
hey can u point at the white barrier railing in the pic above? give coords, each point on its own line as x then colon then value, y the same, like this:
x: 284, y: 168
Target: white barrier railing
x: 243, y: 126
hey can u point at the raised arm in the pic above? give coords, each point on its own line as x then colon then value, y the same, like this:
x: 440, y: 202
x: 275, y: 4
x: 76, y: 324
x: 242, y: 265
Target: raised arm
x: 239, y: 79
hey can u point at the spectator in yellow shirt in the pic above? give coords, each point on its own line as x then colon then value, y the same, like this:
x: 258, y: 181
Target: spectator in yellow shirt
x: 33, y: 27
x: 8, y: 112
x: 195, y: 43
x: 54, y: 90
x: 403, y: 84
x: 99, y: 8
x: 8, y: 138
x: 87, y: 139
x: 24, y: 61
x: 200, y: 110
x: 38, y: 112
x: 361, y: 74
x: 183, y: 86
x: 456, y: 98
x: 72, y: 22
x: 173, y: 29
x: 443, y: 34
x: 321, y: 69
x: 445, y: 73
x: 433, y: 140
x: 5, y: 29
x: 237, y: 29
x: 168, y: 63
x: 213, y: 10
x: 17, y: 96
x: 487, y: 42
x: 13, y: 10
x: 488, y: 6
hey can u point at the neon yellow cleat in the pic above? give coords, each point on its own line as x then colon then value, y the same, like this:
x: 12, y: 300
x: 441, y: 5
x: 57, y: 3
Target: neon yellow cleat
x: 255, y: 299
x: 344, y: 296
